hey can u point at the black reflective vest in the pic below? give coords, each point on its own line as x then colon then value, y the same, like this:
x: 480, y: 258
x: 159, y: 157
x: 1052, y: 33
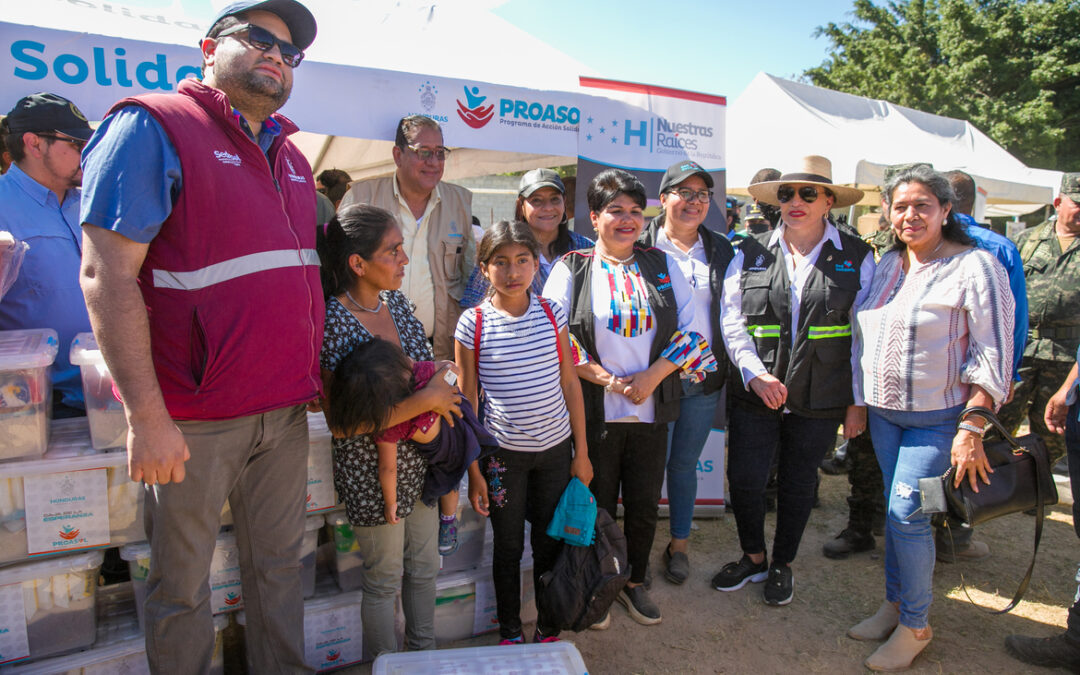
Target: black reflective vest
x: 816, y: 368
x: 653, y: 265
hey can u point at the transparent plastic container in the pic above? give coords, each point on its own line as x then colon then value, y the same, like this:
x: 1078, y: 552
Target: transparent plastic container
x: 56, y: 604
x: 25, y: 391
x: 457, y: 615
x: 321, y: 495
x: 333, y: 631
x: 137, y: 557
x: 108, y: 426
x: 307, y: 553
x: 69, y: 450
x: 553, y: 658
x: 347, y: 564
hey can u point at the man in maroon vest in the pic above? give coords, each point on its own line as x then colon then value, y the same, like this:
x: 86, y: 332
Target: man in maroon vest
x: 202, y: 282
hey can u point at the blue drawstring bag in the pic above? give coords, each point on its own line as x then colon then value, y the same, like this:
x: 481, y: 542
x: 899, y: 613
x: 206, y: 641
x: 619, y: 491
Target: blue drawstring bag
x: 575, y: 517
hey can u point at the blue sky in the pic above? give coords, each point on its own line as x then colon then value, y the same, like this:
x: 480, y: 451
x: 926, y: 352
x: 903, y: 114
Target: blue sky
x: 711, y: 46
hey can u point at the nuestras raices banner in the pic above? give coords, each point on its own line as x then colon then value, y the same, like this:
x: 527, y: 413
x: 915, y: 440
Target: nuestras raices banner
x: 645, y: 129
x: 95, y: 71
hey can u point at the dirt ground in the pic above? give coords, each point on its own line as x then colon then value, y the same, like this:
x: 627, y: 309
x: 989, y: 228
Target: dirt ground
x: 706, y: 631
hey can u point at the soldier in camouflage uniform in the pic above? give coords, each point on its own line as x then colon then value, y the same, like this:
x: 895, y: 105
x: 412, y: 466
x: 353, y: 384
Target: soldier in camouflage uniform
x: 866, y: 504
x: 1051, y: 255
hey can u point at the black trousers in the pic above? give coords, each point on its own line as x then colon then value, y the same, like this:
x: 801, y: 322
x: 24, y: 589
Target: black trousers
x: 523, y: 486
x: 1072, y: 448
x: 630, y: 457
x: 801, y: 442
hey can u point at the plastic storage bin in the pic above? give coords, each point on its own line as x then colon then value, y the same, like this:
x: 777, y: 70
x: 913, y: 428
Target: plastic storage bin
x: 347, y: 563
x: 25, y: 391
x: 320, y: 495
x: 333, y: 631
x: 550, y: 659
x: 465, y: 603
x: 137, y: 557
x: 307, y: 553
x: 52, y: 602
x: 69, y: 450
x: 108, y: 426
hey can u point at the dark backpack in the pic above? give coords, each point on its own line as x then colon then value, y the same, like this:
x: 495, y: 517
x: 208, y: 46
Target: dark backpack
x: 579, y: 590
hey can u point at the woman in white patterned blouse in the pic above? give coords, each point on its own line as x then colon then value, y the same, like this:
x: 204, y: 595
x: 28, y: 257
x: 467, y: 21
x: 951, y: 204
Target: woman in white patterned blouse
x: 935, y: 335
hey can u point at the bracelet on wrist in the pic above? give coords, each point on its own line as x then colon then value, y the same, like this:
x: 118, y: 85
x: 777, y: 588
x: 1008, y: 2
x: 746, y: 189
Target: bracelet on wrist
x: 973, y: 428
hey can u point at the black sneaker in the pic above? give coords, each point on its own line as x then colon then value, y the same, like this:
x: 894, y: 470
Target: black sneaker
x: 639, y: 605
x: 1051, y: 652
x: 847, y: 542
x: 780, y: 586
x: 734, y: 576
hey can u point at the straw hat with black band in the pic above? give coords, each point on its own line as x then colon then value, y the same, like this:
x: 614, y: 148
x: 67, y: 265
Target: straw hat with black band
x: 815, y: 170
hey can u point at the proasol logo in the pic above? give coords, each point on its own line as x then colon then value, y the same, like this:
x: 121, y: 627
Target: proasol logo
x: 473, y: 112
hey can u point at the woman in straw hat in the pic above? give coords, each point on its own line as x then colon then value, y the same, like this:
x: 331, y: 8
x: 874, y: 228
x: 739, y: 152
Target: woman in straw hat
x: 788, y: 307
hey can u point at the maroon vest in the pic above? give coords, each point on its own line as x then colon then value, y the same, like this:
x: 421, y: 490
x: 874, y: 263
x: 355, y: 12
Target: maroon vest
x: 231, y: 282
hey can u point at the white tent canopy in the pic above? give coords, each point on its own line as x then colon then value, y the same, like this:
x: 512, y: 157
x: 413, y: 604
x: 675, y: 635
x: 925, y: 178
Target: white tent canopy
x: 775, y: 122
x: 389, y: 39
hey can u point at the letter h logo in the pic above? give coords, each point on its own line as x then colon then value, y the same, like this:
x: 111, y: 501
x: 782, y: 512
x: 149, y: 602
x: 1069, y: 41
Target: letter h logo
x: 641, y: 132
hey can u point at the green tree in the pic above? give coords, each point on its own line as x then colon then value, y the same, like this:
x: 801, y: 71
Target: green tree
x: 1010, y: 67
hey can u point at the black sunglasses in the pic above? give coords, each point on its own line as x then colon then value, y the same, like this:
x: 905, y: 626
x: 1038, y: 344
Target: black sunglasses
x: 77, y: 142
x: 264, y: 41
x: 807, y: 193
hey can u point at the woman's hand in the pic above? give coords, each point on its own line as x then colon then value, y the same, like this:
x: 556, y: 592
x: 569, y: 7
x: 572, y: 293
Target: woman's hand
x: 478, y: 489
x: 969, y: 459
x: 637, y: 387
x: 390, y: 513
x: 770, y: 390
x: 581, y: 468
x: 854, y: 421
x: 442, y: 397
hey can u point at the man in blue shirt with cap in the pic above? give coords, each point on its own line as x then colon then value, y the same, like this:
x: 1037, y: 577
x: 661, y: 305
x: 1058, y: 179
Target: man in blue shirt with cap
x: 39, y: 205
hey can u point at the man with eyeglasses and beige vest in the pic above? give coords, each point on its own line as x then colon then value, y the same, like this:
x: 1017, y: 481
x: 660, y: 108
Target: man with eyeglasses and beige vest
x: 202, y: 282
x: 436, y: 222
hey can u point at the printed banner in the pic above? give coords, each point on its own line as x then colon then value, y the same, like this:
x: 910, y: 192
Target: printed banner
x: 66, y: 511
x: 645, y: 129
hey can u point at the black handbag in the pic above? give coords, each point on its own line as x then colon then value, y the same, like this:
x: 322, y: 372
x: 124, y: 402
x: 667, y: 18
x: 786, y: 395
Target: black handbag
x: 1021, y: 481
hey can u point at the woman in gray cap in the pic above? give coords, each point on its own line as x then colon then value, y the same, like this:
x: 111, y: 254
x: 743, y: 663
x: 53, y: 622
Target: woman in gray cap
x: 541, y: 205
x: 702, y: 256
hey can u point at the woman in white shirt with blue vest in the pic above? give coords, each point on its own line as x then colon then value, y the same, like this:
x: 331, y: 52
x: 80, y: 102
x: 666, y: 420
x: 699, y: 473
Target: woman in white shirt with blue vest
x: 788, y: 306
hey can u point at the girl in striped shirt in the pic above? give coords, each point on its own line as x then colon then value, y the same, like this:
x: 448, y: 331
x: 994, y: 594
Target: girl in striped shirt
x: 515, y: 347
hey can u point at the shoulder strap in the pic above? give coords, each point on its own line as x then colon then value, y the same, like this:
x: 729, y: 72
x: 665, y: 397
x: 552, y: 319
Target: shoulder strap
x: 554, y: 324
x: 476, y: 344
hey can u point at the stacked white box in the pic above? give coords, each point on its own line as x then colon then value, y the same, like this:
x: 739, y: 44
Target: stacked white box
x: 70, y: 452
x: 104, y: 409
x: 25, y: 391
x: 321, y: 495
x: 47, y: 606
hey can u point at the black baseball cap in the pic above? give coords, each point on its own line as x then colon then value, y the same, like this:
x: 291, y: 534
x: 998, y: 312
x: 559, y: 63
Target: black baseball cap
x: 680, y: 171
x: 298, y: 18
x: 539, y: 178
x: 47, y: 112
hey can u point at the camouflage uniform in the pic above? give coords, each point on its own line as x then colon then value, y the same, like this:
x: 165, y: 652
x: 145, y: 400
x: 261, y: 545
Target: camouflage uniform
x: 1053, y: 283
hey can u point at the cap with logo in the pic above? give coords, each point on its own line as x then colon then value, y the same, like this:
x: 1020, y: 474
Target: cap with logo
x: 47, y: 112
x: 539, y: 178
x: 298, y: 18
x: 680, y: 171
x: 753, y: 212
x: 1070, y: 186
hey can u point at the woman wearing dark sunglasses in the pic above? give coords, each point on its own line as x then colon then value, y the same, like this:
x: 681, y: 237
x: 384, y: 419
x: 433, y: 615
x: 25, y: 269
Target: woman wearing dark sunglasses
x: 788, y: 307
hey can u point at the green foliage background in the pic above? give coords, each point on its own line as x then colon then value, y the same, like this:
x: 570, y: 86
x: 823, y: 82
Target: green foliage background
x: 1011, y: 67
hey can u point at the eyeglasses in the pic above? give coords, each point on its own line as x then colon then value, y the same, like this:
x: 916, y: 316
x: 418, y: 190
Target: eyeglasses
x: 807, y: 193
x: 77, y: 142
x: 264, y: 41
x: 438, y: 152
x: 688, y: 195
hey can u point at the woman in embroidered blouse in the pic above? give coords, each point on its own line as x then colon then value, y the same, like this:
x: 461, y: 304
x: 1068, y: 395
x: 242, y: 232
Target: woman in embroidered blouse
x: 789, y: 299
x: 630, y: 333
x: 364, y: 265
x: 541, y: 204
x: 935, y: 335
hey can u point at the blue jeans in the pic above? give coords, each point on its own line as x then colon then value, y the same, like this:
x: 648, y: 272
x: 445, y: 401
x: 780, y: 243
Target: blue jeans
x: 910, y: 446
x: 686, y: 438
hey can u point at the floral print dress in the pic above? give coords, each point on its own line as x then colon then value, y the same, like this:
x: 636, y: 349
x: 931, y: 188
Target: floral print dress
x: 356, y: 459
